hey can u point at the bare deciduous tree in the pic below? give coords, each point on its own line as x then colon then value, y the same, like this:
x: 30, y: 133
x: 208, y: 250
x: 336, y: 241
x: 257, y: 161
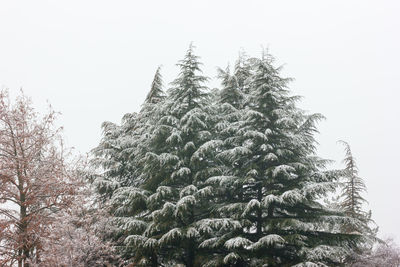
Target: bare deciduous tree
x: 35, y: 179
x: 76, y: 239
x: 385, y: 254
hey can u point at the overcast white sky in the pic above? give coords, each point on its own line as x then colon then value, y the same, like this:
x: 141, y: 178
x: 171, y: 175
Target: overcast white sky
x: 94, y: 61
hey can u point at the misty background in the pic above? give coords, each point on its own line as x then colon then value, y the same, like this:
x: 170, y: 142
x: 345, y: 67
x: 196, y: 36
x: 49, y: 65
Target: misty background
x: 94, y: 61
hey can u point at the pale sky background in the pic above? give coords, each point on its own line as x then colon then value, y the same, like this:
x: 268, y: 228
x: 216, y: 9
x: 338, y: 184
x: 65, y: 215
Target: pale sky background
x: 94, y: 61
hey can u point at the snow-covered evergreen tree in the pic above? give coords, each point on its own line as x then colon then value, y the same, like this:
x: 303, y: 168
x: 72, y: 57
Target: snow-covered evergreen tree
x: 353, y: 187
x: 123, y: 147
x: 159, y: 215
x: 176, y: 166
x: 270, y: 213
x: 224, y: 179
x: 156, y: 93
x: 351, y: 202
x: 242, y: 71
x: 231, y: 92
x: 120, y: 155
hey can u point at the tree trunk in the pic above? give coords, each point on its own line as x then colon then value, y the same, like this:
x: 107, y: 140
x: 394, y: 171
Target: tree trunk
x: 191, y: 254
x: 259, y: 212
x: 19, y: 257
x: 271, y: 211
x: 23, y: 230
x: 154, y: 260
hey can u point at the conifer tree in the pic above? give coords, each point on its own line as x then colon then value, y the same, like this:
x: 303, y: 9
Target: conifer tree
x: 352, y: 201
x: 175, y: 167
x: 224, y: 179
x: 230, y: 92
x: 156, y: 93
x: 271, y: 206
x: 122, y: 148
x: 158, y: 216
x: 354, y: 186
x: 242, y: 71
x: 121, y: 155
